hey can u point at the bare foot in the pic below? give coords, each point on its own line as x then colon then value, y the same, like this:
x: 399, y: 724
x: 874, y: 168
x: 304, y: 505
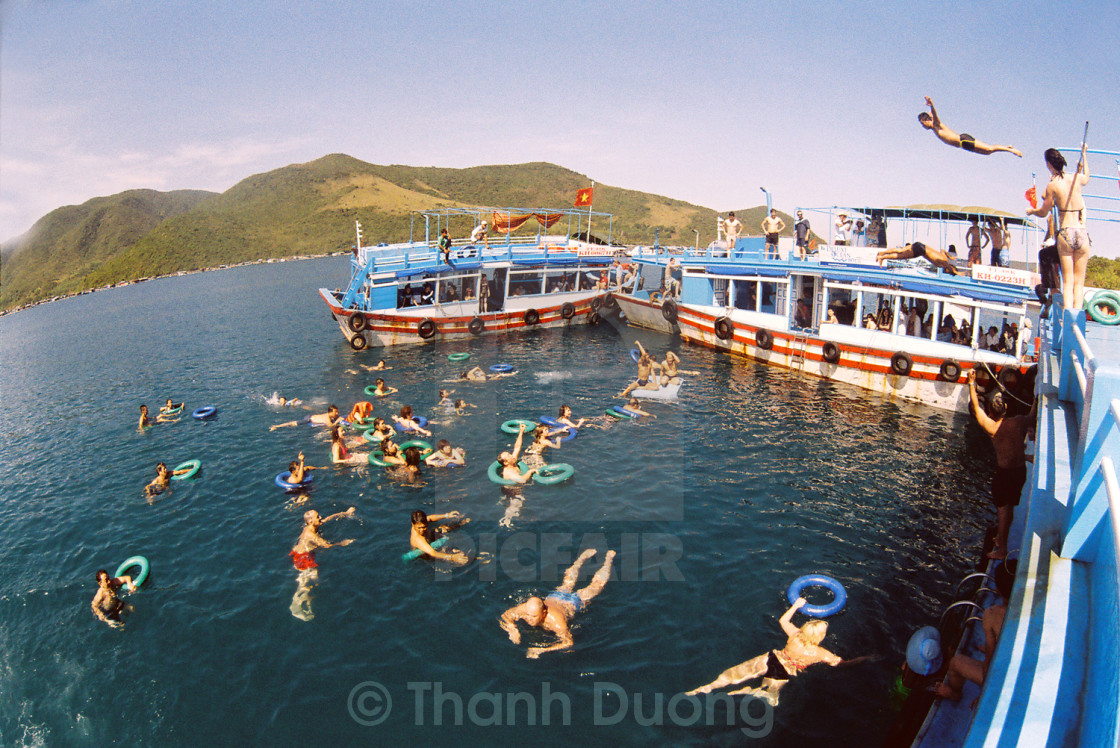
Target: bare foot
x: 997, y: 553
x: 942, y: 691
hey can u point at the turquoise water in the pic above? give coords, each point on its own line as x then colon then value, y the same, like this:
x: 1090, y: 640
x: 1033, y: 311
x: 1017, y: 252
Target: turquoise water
x: 754, y: 478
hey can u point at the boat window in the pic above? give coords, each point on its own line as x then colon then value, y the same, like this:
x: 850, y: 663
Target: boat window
x: 524, y: 282
x: 560, y: 281
x: 842, y: 304
x: 454, y: 288
x: 746, y: 294
x: 769, y: 299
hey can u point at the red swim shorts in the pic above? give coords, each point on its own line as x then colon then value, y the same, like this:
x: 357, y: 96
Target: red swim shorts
x: 303, y: 561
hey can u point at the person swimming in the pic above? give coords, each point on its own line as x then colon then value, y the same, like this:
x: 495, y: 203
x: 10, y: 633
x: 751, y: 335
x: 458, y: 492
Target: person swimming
x: 461, y: 406
x: 408, y: 423
x: 409, y: 471
x: 106, y: 605
x: 565, y: 417
x: 380, y: 390
x: 297, y: 470
x: 444, y: 455
x: 145, y: 422
x: 510, y: 469
x: 339, y: 452
x: 170, y: 412
x: 423, y: 534
x: 303, y: 559
x: 162, y: 480
x: 445, y: 400
x: 380, y: 429
x: 329, y: 419
x: 541, y: 440
x: 391, y: 453
x: 635, y: 406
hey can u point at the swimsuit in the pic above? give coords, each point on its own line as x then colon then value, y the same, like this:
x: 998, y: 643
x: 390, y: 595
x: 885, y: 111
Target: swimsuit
x: 919, y: 250
x: 968, y: 142
x: 643, y: 382
x: 775, y: 670
x: 1007, y: 485
x: 1076, y: 237
x: 568, y: 598
x: 303, y: 561
x: 772, y: 238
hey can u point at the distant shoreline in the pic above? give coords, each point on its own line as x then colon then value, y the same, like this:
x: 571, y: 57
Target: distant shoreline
x: 177, y: 273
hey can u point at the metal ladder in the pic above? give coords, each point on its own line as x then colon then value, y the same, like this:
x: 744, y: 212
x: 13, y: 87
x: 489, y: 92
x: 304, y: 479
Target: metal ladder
x: 797, y: 350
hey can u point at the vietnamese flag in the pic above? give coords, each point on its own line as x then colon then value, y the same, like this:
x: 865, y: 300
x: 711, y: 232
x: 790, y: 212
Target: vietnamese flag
x: 583, y: 197
x: 1032, y: 196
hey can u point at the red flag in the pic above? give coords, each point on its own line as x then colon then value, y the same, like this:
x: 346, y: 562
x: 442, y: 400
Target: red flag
x: 1032, y: 196
x: 583, y: 197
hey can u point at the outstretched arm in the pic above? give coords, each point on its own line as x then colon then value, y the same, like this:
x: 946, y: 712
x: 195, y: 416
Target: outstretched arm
x: 348, y: 513
x: 565, y: 641
x: 508, y: 622
x: 933, y: 113
x: 517, y: 442
x: 787, y: 618
x: 982, y: 418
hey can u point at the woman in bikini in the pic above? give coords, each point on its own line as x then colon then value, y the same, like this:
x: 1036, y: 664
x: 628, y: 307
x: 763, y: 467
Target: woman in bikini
x: 391, y: 453
x: 1064, y: 191
x: 339, y: 452
x: 534, y: 453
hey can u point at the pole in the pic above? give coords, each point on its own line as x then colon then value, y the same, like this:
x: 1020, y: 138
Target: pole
x: 589, y: 205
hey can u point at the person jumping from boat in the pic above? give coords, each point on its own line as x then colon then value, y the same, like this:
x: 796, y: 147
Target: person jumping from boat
x: 106, y: 605
x: 303, y: 559
x: 329, y: 419
x: 424, y: 533
x: 555, y: 611
x: 935, y: 257
x: 931, y: 121
x: 1064, y: 191
x: 646, y: 365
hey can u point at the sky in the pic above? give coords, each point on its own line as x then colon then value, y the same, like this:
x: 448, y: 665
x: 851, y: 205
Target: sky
x: 705, y: 102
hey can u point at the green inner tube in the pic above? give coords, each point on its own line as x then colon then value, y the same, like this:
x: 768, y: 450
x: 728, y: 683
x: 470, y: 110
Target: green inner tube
x: 1104, y: 309
x: 371, y: 391
x: 512, y: 426
x: 134, y: 561
x: 362, y: 423
x: 172, y: 412
x: 425, y: 448
x: 416, y: 553
x: 371, y: 436
x: 494, y: 472
x: 554, y: 473
x: 193, y: 465
x: 461, y: 356
x: 375, y: 458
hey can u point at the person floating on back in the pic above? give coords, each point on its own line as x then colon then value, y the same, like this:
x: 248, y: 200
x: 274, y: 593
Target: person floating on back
x: 931, y: 121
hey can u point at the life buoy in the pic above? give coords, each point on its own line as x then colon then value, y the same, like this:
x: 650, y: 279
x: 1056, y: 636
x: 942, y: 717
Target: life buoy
x: 950, y: 370
x: 358, y: 342
x: 513, y: 426
x: 830, y: 352
x: 636, y: 355
x: 460, y: 356
x: 594, y: 319
x: 901, y: 363
x: 764, y: 339
x: 596, y: 304
x: 420, y: 421
x: 191, y: 466
x: 725, y: 330
x: 357, y: 322
x: 423, y: 446
x: 282, y: 481
x: 501, y: 368
x: 554, y: 473
x: 129, y: 563
x: 839, y: 595
x: 568, y: 310
x: 204, y: 412
x: 494, y: 473
x: 1105, y: 309
x: 669, y: 310
x: 532, y: 317
x: 476, y: 326
x: 426, y: 328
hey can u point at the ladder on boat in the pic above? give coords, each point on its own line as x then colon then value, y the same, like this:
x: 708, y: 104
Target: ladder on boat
x: 797, y: 350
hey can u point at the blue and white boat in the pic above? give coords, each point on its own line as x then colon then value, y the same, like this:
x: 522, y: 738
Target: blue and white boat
x: 412, y: 292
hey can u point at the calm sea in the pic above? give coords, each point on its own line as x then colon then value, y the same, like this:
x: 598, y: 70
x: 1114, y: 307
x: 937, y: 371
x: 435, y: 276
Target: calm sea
x: 754, y: 478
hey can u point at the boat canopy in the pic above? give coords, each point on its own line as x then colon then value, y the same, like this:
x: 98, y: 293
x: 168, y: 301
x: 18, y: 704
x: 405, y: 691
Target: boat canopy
x: 946, y: 213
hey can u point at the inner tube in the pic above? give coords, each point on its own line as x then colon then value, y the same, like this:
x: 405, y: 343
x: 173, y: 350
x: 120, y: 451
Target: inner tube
x: 596, y: 304
x: 901, y: 363
x: 416, y: 553
x: 358, y: 342
x: 725, y: 329
x: 619, y: 412
x: 550, y: 421
x: 494, y: 473
x: 950, y: 370
x: 476, y: 326
x: 426, y: 328
x: 839, y: 595
x: 568, y: 310
x: 134, y: 561
x: 425, y: 448
x: 372, y: 391
x: 499, y: 368
x: 192, y: 466
x: 512, y: 426
x: 669, y: 310
x: 375, y: 458
x: 627, y: 412
x: 282, y: 481
x: 372, y: 437
x: 764, y: 339
x: 554, y: 473
x: 594, y: 319
x: 572, y: 433
x: 204, y: 412
x: 830, y: 352
x: 362, y: 424
x: 636, y: 355
x: 421, y: 421
x: 173, y: 412
x: 531, y: 317
x: 357, y: 322
x: 460, y: 356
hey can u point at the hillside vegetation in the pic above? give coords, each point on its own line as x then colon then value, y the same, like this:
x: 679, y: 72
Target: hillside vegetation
x: 308, y: 209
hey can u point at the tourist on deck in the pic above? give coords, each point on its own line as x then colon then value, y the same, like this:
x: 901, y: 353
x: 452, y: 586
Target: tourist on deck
x: 931, y: 121
x: 876, y: 232
x: 1000, y: 238
x: 1064, y: 191
x: 869, y: 322
x: 303, y: 559
x: 935, y: 257
x: 404, y: 296
x: 447, y: 292
x: 842, y: 230
x: 963, y: 667
x: 444, y: 455
x: 672, y: 278
x: 445, y: 245
x: 976, y: 241
x: 427, y: 294
x: 772, y: 227
x: 859, y: 235
x: 1008, y: 434
x: 483, y: 293
x: 329, y: 419
x: 510, y: 469
x: 106, y: 605
x: 479, y: 235
x: 424, y: 533
x: 801, y: 232
x: 778, y: 666
x: 555, y: 611
x: 732, y: 229
x: 645, y: 373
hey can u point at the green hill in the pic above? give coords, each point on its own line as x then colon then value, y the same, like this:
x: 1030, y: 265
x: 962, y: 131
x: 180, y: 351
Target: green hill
x: 307, y: 209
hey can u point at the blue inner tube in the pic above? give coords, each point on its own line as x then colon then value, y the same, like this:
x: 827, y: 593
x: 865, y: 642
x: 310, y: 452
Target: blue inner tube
x: 498, y: 368
x: 416, y: 553
x: 282, y: 481
x: 421, y: 421
x: 839, y: 599
x: 627, y: 412
x: 134, y: 561
x: 620, y: 412
x: 554, y: 473
x: 204, y: 412
x: 636, y: 355
x: 570, y: 435
x: 494, y: 473
x: 193, y: 466
x: 549, y: 421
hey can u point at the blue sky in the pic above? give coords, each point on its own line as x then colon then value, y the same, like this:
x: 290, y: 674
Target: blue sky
x: 701, y: 101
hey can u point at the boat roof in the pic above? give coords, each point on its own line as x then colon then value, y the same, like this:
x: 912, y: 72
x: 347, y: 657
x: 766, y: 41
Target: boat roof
x: 935, y: 212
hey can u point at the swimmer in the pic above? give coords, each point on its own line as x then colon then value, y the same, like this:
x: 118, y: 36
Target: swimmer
x: 936, y: 257
x: 303, y: 559
x: 106, y: 605
x: 166, y: 414
x: 408, y: 423
x: 145, y: 422
x: 541, y: 439
x: 445, y: 400
x: 330, y: 419
x: 634, y: 406
x: 162, y: 479
x: 474, y: 375
x: 382, y: 430
x: 510, y: 469
x: 646, y: 365
x: 297, y: 470
x: 778, y: 666
x: 339, y: 452
x: 931, y: 121
x: 409, y: 471
x: 390, y: 452
x: 360, y: 411
x: 380, y: 390
x: 380, y: 367
x: 565, y: 417
x: 670, y: 374
x: 423, y: 534
x: 461, y: 406
x: 445, y: 455
x: 555, y: 611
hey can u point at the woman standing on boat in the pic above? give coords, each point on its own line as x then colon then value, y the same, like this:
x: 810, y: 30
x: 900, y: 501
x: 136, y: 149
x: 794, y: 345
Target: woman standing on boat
x: 1064, y: 192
